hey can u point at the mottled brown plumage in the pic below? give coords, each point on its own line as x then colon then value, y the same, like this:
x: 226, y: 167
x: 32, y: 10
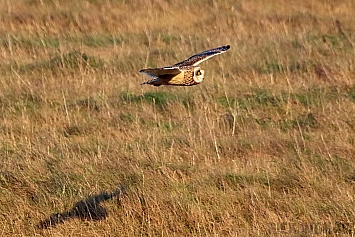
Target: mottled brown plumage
x: 185, y: 73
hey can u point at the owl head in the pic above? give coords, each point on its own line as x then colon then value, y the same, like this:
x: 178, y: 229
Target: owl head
x: 198, y: 75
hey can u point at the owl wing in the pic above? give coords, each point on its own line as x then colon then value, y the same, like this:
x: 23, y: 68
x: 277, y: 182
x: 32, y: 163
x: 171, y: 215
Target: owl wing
x: 199, y: 58
x: 161, y: 75
x: 156, y: 72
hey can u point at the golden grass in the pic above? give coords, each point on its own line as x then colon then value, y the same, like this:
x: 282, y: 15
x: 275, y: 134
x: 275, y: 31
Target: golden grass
x: 263, y: 147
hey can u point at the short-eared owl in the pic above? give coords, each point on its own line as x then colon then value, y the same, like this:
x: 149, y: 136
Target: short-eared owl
x: 185, y: 73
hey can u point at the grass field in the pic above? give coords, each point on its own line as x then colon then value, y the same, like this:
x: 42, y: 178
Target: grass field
x: 265, y: 146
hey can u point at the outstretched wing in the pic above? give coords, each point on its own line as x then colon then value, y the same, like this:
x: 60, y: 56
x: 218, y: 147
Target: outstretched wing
x: 199, y: 58
x: 157, y: 72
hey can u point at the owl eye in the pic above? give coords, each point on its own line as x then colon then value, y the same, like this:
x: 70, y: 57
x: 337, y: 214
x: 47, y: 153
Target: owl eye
x: 198, y: 73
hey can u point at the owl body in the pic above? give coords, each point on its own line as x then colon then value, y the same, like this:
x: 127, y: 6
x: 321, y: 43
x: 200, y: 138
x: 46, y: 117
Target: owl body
x: 185, y: 73
x: 187, y: 76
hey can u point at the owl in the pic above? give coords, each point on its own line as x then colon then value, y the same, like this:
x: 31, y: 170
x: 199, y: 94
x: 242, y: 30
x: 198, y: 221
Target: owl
x: 185, y: 73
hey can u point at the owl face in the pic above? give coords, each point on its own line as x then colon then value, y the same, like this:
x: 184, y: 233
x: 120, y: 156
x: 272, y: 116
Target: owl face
x: 198, y: 74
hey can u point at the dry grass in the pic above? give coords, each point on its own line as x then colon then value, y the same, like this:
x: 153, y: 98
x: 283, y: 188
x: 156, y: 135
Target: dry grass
x: 263, y: 147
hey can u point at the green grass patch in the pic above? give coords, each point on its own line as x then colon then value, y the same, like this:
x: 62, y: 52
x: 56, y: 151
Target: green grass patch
x: 258, y: 97
x: 160, y: 98
x: 238, y: 181
x: 311, y: 97
x: 95, y: 41
x: 127, y: 117
x: 91, y: 104
x: 334, y: 40
x: 25, y: 103
x: 274, y: 66
x: 168, y: 39
x: 21, y: 41
x: 92, y: 40
x: 316, y: 96
x: 72, y: 60
x: 305, y: 122
x: 167, y: 126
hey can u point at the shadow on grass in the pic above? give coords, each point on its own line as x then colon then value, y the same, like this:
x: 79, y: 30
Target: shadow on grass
x: 88, y: 209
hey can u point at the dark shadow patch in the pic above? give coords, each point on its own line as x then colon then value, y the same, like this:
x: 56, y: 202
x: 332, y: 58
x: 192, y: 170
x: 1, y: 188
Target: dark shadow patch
x: 88, y: 209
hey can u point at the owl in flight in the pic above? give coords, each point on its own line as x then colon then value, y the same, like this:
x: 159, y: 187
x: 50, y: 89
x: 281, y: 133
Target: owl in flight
x: 185, y: 73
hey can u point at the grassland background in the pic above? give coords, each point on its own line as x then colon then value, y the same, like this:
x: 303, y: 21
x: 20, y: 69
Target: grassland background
x: 263, y: 147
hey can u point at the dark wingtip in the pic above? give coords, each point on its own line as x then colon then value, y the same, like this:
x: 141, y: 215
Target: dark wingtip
x: 227, y: 47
